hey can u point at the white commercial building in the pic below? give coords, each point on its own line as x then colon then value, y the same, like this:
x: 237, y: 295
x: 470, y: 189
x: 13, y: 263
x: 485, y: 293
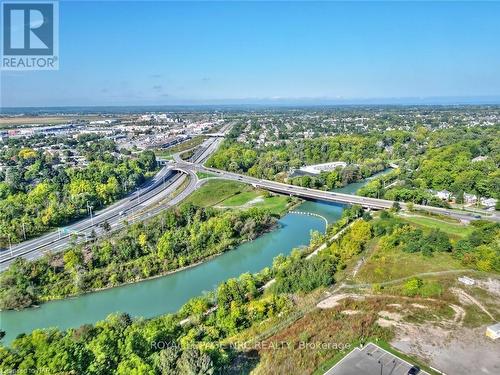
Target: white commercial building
x: 325, y: 167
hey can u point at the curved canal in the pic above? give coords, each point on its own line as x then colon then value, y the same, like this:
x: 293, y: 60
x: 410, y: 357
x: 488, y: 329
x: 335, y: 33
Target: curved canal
x: 168, y: 293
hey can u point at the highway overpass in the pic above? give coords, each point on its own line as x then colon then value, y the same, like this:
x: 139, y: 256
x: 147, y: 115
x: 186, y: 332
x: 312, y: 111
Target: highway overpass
x: 328, y: 196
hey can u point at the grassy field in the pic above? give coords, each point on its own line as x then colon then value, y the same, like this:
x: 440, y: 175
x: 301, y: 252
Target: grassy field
x: 318, y: 337
x: 241, y: 198
x: 394, y: 264
x: 276, y: 204
x: 454, y: 229
x: 214, y: 192
x: 234, y: 194
x: 202, y: 175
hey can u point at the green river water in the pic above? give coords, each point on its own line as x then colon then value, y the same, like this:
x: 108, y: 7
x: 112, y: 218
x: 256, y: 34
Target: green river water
x: 168, y: 293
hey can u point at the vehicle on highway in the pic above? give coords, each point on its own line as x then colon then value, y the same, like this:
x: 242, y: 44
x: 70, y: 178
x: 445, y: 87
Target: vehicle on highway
x: 121, y: 213
x: 414, y: 370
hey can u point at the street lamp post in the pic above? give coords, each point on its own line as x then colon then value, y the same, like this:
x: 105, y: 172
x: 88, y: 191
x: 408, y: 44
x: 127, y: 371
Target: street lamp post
x: 89, y: 208
x: 10, y: 246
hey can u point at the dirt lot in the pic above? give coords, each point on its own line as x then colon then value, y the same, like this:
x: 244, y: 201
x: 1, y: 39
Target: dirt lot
x: 460, y: 351
x: 445, y: 341
x: 447, y: 333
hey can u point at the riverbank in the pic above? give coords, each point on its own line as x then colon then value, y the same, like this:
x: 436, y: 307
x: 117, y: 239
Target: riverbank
x: 281, y: 212
x: 167, y: 294
x: 183, y: 268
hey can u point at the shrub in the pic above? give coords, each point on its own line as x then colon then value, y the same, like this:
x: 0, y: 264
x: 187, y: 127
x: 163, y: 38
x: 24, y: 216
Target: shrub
x: 412, y: 286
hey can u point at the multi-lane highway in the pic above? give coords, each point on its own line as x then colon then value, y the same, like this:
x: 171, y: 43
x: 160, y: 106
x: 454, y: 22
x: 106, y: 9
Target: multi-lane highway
x: 143, y: 203
x: 328, y: 196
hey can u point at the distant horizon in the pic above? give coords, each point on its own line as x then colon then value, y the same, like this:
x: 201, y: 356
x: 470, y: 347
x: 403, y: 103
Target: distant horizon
x: 266, y: 53
x: 284, y: 103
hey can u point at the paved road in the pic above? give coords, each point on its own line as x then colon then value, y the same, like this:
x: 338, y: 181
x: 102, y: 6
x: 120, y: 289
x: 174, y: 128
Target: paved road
x: 327, y: 195
x: 138, y: 206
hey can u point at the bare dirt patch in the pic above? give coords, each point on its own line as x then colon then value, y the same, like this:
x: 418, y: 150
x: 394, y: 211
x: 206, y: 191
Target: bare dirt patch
x: 459, y: 314
x: 394, y: 305
x: 418, y: 306
x: 350, y: 312
x: 490, y: 285
x: 385, y: 323
x: 461, y: 351
x: 334, y: 300
x: 390, y: 315
x: 467, y: 299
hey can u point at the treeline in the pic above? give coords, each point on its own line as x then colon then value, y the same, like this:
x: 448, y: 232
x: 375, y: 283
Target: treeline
x: 364, y: 154
x: 402, y: 191
x: 174, y: 239
x: 295, y: 274
x: 480, y: 250
x: 339, y: 177
x: 470, y: 166
x: 37, y: 193
x: 121, y: 345
x: 461, y: 161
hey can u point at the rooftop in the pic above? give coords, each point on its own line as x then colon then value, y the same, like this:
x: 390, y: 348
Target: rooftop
x: 370, y: 360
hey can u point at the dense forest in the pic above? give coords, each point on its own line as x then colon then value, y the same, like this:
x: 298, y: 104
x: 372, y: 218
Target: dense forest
x: 38, y: 191
x: 175, y: 238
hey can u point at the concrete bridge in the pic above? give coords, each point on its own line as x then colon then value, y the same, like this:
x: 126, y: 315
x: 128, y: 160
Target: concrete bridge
x: 328, y: 196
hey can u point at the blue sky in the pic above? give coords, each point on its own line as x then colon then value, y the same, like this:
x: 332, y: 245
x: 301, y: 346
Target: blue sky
x: 141, y: 53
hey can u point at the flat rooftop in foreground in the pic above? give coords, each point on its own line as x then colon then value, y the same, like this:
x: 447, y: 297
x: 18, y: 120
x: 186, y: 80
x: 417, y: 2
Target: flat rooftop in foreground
x: 371, y: 360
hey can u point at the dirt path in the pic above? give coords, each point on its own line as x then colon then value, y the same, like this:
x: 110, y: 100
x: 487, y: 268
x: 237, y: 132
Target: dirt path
x: 466, y: 298
x: 397, y: 281
x: 459, y: 314
x: 333, y: 238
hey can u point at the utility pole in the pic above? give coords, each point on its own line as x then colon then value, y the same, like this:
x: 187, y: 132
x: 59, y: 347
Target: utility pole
x: 89, y: 208
x: 10, y: 246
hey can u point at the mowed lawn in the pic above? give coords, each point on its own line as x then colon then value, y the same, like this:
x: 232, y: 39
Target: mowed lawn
x: 233, y: 194
x: 277, y: 204
x: 202, y: 175
x: 451, y: 228
x: 214, y: 192
x: 241, y: 198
